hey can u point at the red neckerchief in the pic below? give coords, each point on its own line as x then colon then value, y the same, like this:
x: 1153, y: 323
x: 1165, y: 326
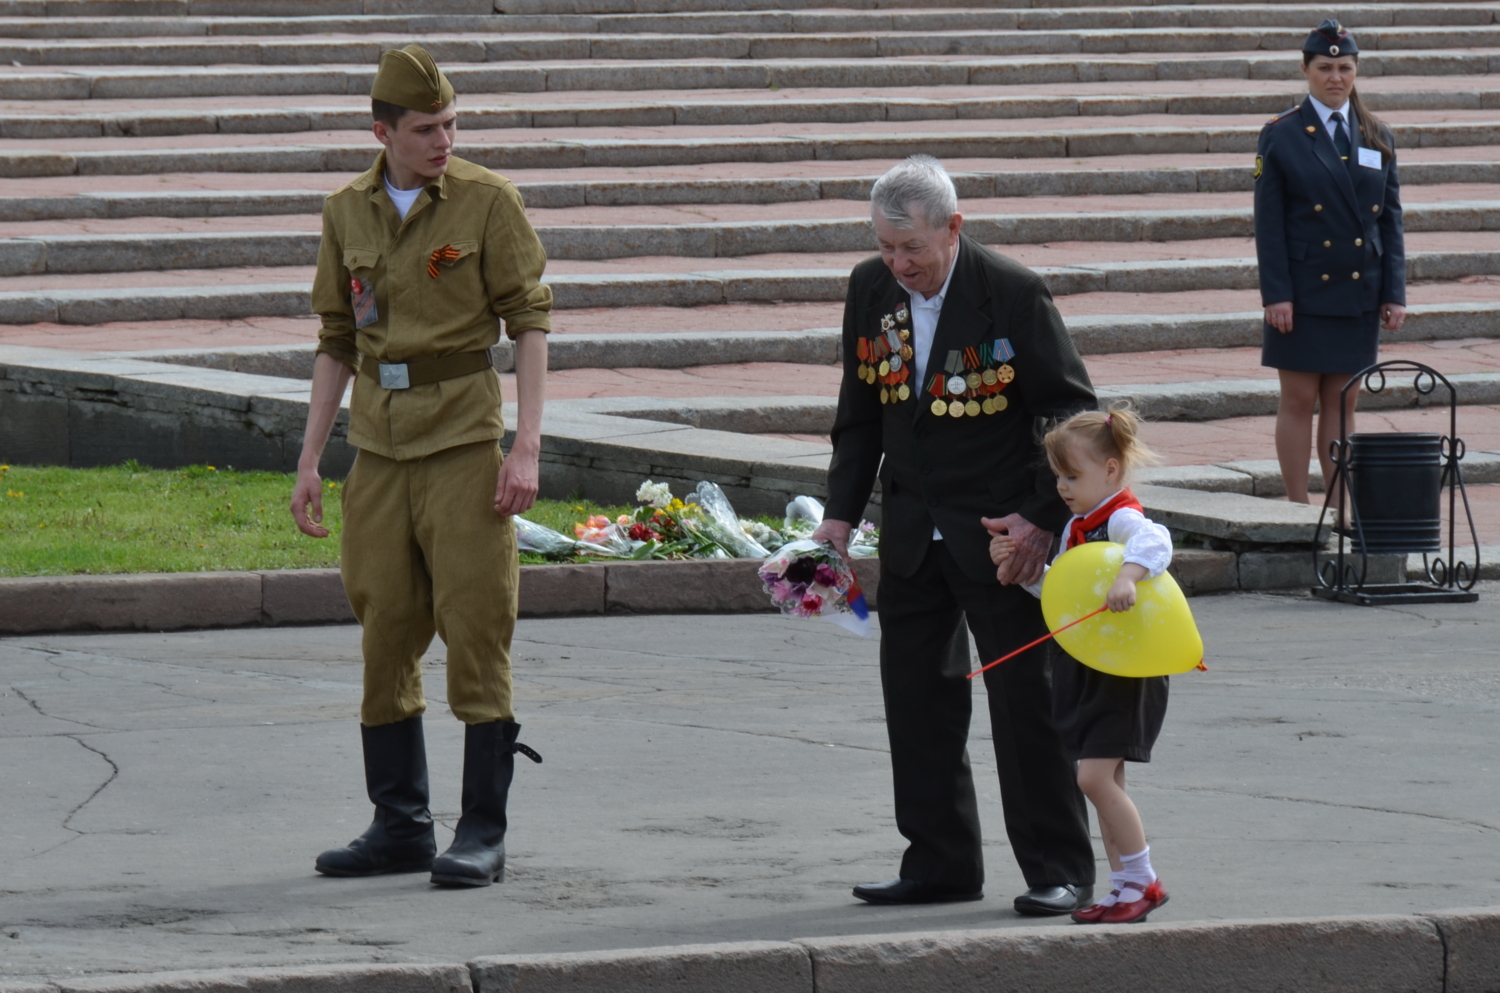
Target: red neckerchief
x: 1100, y: 515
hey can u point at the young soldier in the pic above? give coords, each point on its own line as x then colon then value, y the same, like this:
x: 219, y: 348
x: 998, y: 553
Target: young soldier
x: 422, y: 258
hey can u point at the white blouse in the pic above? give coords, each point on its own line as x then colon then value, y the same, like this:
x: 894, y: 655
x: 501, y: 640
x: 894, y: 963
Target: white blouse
x: 1147, y: 544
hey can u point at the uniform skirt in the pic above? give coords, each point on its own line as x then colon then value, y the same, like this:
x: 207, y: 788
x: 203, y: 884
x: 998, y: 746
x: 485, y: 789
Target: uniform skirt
x: 1323, y: 344
x: 1100, y: 716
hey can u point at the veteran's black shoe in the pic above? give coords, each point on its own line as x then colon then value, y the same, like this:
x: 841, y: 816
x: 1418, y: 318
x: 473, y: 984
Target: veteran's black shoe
x: 1053, y: 901
x: 400, y: 838
x: 913, y: 891
x: 477, y: 855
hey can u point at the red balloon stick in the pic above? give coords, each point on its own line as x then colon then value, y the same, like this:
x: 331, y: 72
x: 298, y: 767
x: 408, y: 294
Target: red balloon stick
x: 1049, y: 634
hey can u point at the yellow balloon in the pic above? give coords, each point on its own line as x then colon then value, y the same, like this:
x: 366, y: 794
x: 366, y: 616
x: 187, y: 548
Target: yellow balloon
x: 1156, y: 637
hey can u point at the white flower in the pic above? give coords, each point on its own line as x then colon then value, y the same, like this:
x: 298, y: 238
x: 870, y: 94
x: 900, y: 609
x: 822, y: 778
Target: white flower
x: 656, y: 495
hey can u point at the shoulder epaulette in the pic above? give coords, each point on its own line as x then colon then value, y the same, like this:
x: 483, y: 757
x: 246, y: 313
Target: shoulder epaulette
x: 1284, y: 113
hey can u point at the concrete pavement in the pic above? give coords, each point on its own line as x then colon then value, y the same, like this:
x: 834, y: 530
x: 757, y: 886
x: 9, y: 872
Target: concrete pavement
x: 706, y: 779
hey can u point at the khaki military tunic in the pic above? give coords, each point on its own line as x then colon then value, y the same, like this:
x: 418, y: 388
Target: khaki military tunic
x: 422, y: 549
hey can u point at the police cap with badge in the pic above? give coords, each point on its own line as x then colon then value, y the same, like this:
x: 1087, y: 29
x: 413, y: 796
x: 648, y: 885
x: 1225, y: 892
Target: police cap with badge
x: 1330, y: 38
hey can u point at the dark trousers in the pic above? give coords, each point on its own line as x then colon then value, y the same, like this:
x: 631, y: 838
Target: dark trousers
x: 924, y: 662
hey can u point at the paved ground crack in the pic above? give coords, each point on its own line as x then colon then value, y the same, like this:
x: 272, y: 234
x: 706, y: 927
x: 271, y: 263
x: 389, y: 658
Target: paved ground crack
x: 34, y: 705
x: 1213, y: 791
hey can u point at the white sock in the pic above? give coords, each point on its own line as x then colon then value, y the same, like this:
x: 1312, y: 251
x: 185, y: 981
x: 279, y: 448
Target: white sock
x: 1116, y: 881
x: 1136, y: 874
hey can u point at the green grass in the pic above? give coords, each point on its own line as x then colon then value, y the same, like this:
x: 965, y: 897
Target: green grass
x: 56, y: 521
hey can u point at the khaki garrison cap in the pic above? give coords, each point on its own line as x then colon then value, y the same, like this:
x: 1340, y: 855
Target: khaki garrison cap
x: 409, y: 78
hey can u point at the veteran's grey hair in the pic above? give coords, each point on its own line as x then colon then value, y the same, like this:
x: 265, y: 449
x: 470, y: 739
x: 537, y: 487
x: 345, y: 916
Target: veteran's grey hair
x: 918, y: 186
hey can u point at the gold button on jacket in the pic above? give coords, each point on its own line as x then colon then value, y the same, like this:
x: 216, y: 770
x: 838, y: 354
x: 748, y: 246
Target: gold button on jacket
x: 491, y: 272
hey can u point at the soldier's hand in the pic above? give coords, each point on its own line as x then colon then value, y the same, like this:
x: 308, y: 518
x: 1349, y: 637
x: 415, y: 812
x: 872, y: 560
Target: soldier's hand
x: 1029, y: 544
x: 307, y: 504
x: 1279, y: 316
x: 519, y: 480
x: 1393, y: 316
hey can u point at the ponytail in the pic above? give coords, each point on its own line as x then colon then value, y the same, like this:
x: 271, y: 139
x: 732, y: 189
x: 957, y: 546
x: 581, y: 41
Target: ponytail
x: 1114, y: 434
x: 1370, y: 126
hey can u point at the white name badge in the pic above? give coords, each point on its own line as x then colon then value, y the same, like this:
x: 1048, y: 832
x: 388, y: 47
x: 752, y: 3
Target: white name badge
x: 1370, y: 158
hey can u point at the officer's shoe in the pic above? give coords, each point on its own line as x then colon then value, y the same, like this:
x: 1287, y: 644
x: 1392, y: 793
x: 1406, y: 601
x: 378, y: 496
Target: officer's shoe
x: 400, y: 838
x: 477, y: 855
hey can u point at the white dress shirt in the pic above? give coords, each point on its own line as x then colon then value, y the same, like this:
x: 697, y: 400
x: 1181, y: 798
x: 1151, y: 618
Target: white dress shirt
x: 925, y: 312
x: 1325, y: 111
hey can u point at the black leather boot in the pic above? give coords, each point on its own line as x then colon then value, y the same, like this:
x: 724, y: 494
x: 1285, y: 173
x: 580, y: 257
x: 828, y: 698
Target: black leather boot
x: 400, y: 838
x: 477, y: 855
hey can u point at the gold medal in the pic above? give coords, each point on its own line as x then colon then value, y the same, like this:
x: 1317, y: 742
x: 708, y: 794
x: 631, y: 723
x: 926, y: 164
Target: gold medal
x: 870, y: 374
x: 1000, y: 403
x: 988, y: 406
x: 885, y: 395
x: 907, y: 353
x: 972, y: 408
x: 1005, y: 374
x: 904, y: 391
x: 956, y: 408
x: 939, y: 408
x: 905, y: 335
x: 973, y: 380
x: 885, y: 367
x: 989, y: 378
x: 862, y: 368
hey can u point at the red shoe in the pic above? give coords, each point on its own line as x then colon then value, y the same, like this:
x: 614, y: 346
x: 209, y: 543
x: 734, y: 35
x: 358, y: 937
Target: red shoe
x: 1135, y: 912
x: 1092, y: 913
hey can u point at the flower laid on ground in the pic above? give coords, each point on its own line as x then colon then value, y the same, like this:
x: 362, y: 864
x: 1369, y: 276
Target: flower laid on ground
x: 703, y: 526
x: 809, y: 579
x: 654, y: 494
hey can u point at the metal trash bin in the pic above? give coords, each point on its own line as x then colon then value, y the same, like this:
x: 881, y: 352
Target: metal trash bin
x: 1395, y: 484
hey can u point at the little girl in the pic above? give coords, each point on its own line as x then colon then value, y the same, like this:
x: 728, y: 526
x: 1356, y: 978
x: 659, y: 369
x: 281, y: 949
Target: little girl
x: 1107, y: 720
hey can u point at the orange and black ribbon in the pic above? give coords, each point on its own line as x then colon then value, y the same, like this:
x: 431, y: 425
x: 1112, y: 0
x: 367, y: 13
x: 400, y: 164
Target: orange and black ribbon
x: 445, y: 254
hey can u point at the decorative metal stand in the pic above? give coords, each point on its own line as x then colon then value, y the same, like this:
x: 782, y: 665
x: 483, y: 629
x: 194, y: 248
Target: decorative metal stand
x: 1379, y: 482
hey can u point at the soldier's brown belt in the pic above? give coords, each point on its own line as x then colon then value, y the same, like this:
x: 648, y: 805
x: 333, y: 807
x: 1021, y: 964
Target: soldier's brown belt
x: 419, y: 372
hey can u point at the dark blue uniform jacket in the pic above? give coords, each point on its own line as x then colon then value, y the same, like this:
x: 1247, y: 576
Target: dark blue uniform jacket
x: 1327, y: 233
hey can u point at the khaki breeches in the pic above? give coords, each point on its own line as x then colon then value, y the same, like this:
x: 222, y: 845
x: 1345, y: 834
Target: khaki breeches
x: 424, y: 552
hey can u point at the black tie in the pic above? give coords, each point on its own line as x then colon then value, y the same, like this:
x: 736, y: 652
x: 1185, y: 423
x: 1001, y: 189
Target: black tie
x: 1341, y: 136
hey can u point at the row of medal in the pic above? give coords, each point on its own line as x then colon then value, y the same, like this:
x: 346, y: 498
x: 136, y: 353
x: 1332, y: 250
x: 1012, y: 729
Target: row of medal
x: 886, y: 359
x: 968, y: 376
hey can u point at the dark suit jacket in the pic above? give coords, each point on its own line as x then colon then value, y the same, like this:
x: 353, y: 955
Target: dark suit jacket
x: 952, y: 471
x: 1327, y: 234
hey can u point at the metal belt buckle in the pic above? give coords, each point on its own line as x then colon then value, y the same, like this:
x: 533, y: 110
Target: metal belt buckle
x: 395, y: 376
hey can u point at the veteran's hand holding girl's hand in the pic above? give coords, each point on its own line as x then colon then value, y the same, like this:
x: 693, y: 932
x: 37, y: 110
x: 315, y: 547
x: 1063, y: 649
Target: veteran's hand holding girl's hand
x: 1027, y: 558
x: 1001, y: 547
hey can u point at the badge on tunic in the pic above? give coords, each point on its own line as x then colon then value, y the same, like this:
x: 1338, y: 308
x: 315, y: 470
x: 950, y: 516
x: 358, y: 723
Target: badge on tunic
x: 362, y: 294
x: 1260, y: 166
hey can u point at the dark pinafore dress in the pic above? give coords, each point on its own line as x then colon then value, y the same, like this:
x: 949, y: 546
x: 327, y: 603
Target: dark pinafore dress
x: 1100, y: 716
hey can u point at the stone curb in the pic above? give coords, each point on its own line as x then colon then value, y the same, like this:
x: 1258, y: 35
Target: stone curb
x: 194, y: 601
x: 861, y: 44
x: 291, y: 120
x: 973, y: 185
x: 737, y: 74
x: 718, y: 20
x: 1445, y: 952
x: 636, y: 153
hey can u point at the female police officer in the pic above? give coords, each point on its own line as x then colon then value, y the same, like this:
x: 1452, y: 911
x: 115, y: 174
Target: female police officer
x: 1328, y: 237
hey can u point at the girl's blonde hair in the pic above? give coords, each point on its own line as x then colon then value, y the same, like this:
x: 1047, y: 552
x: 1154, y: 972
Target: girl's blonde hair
x: 1112, y: 434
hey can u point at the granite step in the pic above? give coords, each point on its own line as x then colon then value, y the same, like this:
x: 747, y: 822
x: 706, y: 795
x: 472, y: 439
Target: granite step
x: 548, y: 194
x: 1357, y: 17
x: 85, y: 82
x: 896, y: 44
x: 292, y: 120
x: 483, y: 8
x: 641, y: 153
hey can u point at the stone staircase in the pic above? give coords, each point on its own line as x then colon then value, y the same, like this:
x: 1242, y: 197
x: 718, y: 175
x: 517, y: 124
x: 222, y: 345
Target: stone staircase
x: 698, y: 170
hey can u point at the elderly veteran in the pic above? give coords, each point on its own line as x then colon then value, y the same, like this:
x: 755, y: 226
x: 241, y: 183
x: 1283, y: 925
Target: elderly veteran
x: 1332, y: 255
x: 953, y: 355
x: 423, y: 258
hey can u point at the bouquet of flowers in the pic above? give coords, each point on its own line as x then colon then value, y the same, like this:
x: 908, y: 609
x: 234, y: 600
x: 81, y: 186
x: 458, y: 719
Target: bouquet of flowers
x: 809, y: 579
